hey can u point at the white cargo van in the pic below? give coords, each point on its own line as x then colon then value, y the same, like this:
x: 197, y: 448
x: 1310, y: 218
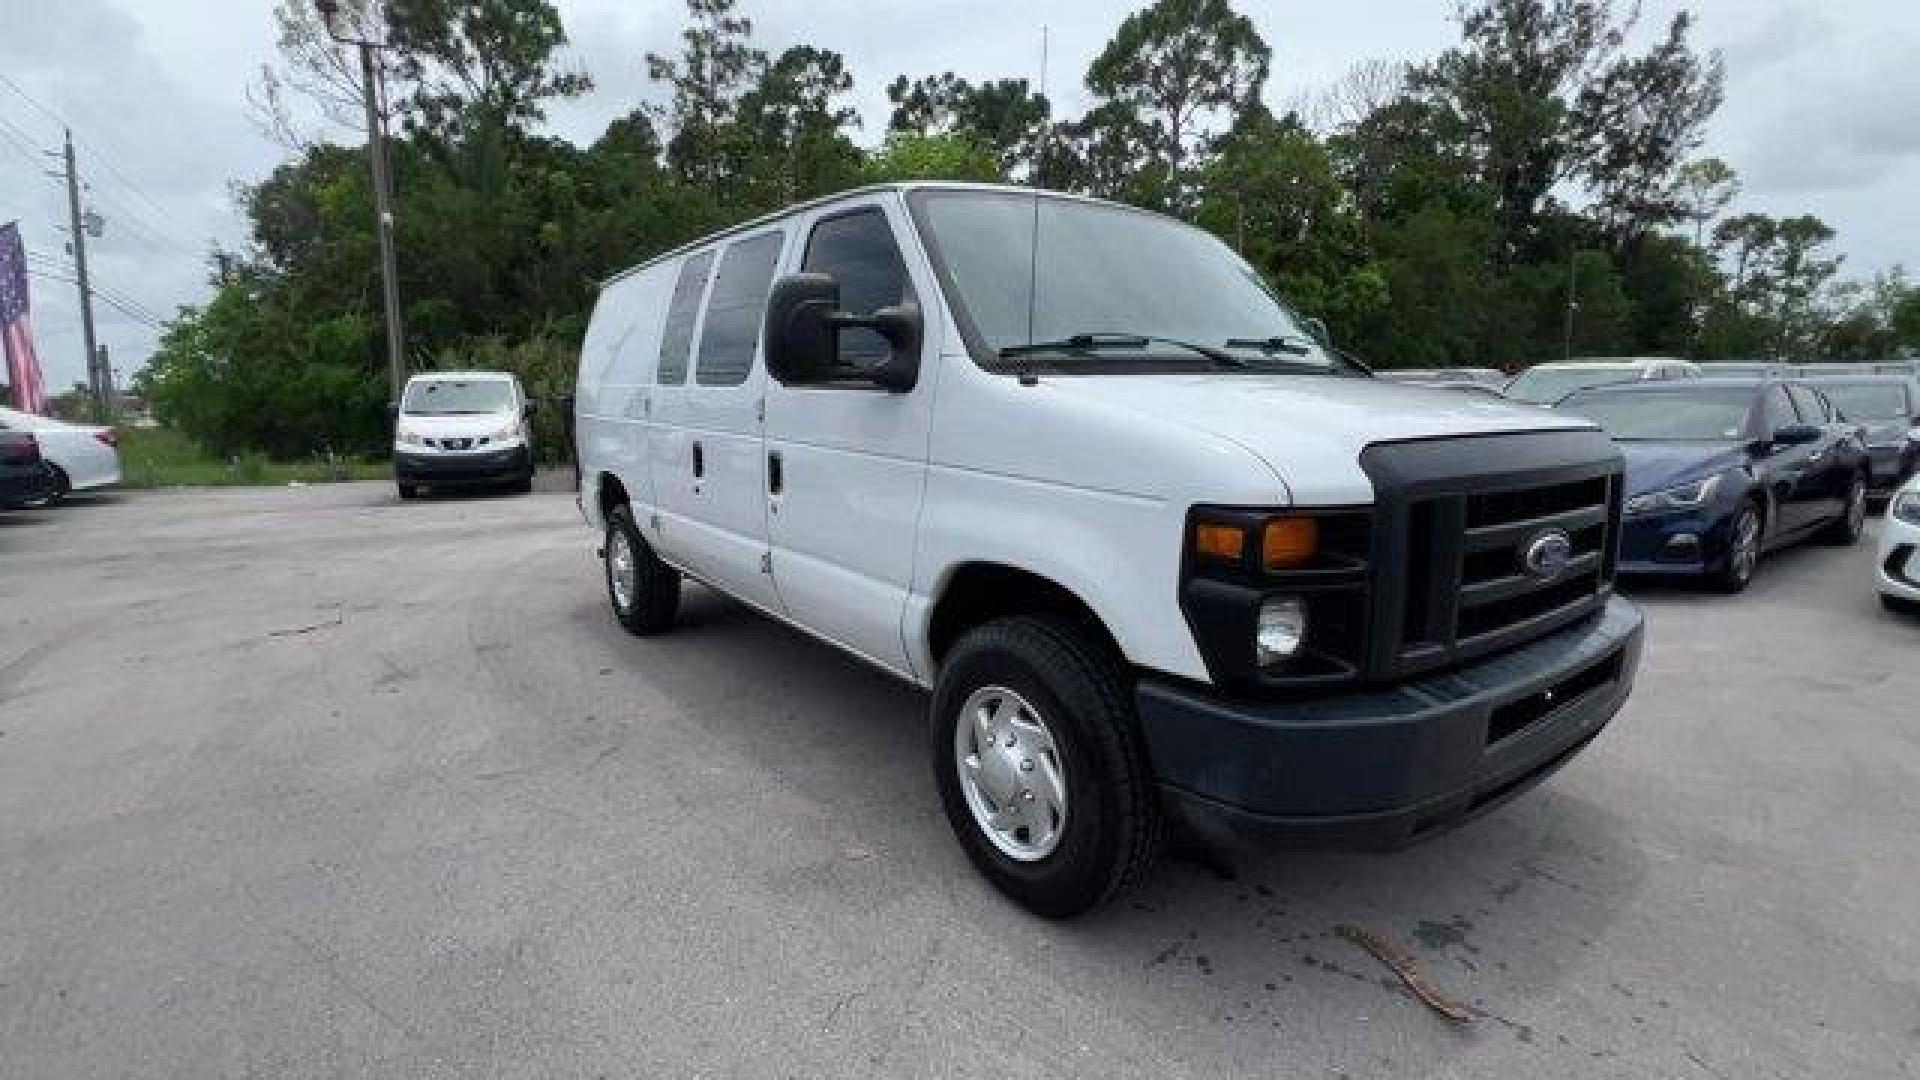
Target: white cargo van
x: 459, y: 429
x: 1159, y: 555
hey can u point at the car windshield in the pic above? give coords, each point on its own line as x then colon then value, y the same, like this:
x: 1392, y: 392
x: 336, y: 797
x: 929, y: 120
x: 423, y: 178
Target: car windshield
x: 1546, y: 385
x: 1694, y: 414
x: 1133, y: 290
x: 454, y: 397
x: 1868, y: 402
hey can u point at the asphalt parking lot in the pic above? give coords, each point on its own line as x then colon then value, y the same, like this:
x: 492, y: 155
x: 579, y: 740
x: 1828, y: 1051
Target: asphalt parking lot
x: 308, y: 782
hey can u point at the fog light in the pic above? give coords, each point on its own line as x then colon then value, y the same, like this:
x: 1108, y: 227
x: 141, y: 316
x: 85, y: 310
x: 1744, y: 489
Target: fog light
x: 1282, y: 629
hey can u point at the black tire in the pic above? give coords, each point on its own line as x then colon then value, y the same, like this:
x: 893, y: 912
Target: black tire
x: 655, y: 598
x: 524, y: 485
x: 409, y: 491
x: 62, y: 487
x: 1739, y: 573
x: 1845, y: 530
x: 1113, y: 827
x: 1900, y: 605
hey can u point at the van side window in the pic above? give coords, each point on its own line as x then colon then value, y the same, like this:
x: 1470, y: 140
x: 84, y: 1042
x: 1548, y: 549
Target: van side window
x: 859, y: 251
x: 677, y: 337
x: 734, y: 310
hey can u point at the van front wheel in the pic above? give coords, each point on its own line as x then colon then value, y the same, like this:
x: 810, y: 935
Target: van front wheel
x: 644, y: 592
x: 1040, y: 765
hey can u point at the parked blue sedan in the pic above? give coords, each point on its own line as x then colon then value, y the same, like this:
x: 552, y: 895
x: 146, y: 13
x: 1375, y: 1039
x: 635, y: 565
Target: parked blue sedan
x: 1720, y: 471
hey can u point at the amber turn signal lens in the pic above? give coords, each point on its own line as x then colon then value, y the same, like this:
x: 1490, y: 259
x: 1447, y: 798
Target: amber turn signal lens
x: 1219, y: 541
x: 1289, y: 543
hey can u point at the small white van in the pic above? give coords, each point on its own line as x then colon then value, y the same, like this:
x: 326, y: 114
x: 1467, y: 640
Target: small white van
x: 1159, y: 554
x: 461, y: 429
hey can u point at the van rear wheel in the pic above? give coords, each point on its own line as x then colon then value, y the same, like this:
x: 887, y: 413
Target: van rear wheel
x: 644, y: 592
x: 1041, y: 767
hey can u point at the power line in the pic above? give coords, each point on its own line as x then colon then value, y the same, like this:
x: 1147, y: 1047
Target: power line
x: 101, y: 159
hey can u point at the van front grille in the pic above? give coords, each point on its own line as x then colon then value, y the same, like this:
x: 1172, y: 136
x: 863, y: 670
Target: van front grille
x: 1470, y: 560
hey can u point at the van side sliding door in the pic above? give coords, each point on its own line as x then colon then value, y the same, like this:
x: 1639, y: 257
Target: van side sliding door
x: 716, y: 494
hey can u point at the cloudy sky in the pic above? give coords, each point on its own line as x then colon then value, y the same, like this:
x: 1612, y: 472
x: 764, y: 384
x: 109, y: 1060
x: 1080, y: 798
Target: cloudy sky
x: 1822, y: 113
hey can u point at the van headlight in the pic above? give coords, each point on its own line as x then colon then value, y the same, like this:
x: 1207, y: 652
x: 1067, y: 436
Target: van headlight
x: 411, y: 438
x: 1281, y: 630
x: 1681, y: 497
x: 510, y: 433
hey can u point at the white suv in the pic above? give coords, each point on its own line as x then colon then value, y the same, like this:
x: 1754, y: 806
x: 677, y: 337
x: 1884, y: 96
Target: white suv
x: 1158, y: 553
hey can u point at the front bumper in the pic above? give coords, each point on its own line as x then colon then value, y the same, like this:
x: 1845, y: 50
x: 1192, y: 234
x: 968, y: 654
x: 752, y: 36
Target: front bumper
x: 1386, y: 766
x: 487, y: 466
x: 1897, y: 567
x: 1676, y: 543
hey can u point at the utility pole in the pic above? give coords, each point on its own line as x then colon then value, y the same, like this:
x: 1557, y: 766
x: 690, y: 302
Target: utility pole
x: 371, y: 87
x: 1573, y: 302
x: 80, y: 274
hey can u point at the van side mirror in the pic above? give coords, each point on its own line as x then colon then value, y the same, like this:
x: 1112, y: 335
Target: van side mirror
x: 530, y: 406
x: 393, y: 410
x: 1316, y: 328
x: 802, y: 334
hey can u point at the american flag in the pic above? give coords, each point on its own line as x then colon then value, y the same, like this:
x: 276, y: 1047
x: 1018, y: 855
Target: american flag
x: 23, y: 364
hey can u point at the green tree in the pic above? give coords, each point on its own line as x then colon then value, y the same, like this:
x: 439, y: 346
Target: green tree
x: 716, y: 65
x: 479, y: 64
x: 1170, y: 69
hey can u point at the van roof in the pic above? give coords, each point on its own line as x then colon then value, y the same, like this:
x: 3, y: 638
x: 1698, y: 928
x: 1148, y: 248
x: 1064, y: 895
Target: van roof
x: 851, y: 193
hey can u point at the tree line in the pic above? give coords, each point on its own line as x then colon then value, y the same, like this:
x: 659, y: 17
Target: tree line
x: 1437, y: 213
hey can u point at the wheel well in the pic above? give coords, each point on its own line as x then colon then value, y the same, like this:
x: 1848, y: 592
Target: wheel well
x: 612, y: 493
x: 980, y: 592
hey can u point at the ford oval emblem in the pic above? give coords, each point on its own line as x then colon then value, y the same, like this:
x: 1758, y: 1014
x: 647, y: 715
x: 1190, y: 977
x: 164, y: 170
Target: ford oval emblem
x: 1547, y: 554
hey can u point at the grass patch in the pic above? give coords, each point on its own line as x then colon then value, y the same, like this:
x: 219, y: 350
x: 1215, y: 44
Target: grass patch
x: 162, y: 457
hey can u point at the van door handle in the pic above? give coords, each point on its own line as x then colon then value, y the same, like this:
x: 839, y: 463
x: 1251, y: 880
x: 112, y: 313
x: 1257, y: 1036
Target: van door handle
x: 699, y: 460
x: 774, y: 477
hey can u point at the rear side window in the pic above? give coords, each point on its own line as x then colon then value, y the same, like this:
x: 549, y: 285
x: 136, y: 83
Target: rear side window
x: 677, y: 338
x: 1775, y: 411
x: 859, y: 251
x: 734, y: 310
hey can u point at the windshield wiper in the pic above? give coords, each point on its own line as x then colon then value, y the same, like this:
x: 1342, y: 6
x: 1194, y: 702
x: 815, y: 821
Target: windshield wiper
x: 1291, y: 345
x: 1088, y: 343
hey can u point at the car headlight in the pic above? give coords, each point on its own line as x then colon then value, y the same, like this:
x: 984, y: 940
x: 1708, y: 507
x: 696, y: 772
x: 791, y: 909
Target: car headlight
x: 1906, y: 507
x: 411, y: 438
x: 1681, y: 497
x: 508, y: 433
x: 1281, y: 631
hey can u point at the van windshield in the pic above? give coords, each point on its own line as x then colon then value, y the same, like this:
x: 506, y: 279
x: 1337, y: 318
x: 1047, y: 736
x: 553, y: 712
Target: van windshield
x: 453, y: 397
x: 1109, y: 287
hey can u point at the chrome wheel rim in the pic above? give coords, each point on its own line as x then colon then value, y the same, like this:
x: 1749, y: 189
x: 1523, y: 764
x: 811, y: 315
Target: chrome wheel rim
x: 1746, y: 545
x: 621, y: 575
x: 1010, y: 773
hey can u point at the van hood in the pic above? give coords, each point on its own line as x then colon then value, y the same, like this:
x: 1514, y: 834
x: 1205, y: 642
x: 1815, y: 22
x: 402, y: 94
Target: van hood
x: 1310, y: 429
x: 456, y: 425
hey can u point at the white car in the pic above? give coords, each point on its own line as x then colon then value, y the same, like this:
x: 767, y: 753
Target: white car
x: 1156, y: 551
x: 81, y: 456
x: 1897, y: 569
x: 1544, y: 384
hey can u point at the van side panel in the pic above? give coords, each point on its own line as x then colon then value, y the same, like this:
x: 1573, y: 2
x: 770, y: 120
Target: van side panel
x: 611, y: 397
